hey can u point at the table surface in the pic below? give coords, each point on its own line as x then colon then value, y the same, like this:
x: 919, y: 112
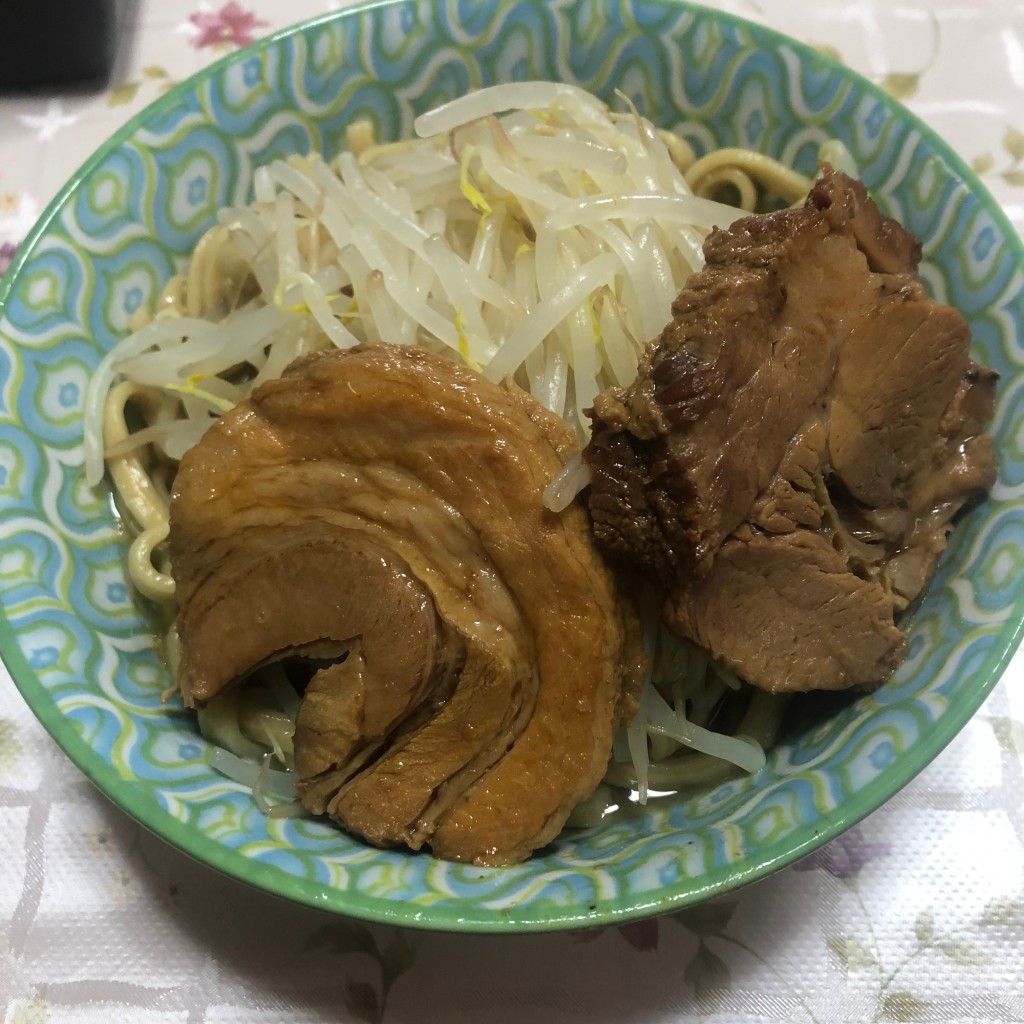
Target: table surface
x: 916, y: 914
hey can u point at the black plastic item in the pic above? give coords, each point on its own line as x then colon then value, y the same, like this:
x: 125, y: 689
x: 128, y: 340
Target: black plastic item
x: 47, y: 43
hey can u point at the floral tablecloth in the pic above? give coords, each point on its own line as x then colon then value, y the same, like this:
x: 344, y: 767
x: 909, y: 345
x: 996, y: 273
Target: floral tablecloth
x: 917, y: 914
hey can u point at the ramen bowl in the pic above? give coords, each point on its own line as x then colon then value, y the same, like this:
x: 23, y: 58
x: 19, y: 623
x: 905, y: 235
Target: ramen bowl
x: 80, y: 647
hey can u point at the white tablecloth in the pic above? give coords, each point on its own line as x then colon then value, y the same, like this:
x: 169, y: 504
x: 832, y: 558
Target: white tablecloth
x: 916, y: 914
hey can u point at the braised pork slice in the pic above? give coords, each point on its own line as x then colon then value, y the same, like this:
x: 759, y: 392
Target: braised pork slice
x: 379, y: 512
x: 794, y: 448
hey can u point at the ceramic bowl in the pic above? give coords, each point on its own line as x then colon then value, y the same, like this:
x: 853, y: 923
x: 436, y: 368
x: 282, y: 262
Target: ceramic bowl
x: 81, y: 651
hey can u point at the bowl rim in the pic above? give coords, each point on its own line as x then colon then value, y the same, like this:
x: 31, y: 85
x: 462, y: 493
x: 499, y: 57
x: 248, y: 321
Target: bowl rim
x: 198, y: 845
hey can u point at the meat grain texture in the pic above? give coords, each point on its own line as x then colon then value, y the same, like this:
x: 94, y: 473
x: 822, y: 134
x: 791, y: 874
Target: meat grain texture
x: 379, y: 512
x: 790, y: 458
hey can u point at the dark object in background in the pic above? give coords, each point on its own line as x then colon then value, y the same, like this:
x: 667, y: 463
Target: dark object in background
x: 56, y: 42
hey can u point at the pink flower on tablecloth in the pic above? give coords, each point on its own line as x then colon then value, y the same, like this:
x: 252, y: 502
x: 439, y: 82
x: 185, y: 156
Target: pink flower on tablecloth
x: 845, y: 856
x: 7, y: 252
x: 231, y: 24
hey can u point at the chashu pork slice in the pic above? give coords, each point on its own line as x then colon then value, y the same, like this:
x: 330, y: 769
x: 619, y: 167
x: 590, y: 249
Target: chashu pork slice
x: 380, y: 512
x: 790, y: 457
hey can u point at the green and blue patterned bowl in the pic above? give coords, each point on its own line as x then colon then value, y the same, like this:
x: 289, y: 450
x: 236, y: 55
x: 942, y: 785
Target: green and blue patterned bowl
x: 77, y: 645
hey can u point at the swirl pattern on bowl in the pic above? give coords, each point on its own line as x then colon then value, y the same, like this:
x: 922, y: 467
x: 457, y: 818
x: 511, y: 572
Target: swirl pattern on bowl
x: 78, y: 645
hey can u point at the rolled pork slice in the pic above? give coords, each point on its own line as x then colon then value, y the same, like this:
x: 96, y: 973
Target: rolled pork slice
x: 379, y: 511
